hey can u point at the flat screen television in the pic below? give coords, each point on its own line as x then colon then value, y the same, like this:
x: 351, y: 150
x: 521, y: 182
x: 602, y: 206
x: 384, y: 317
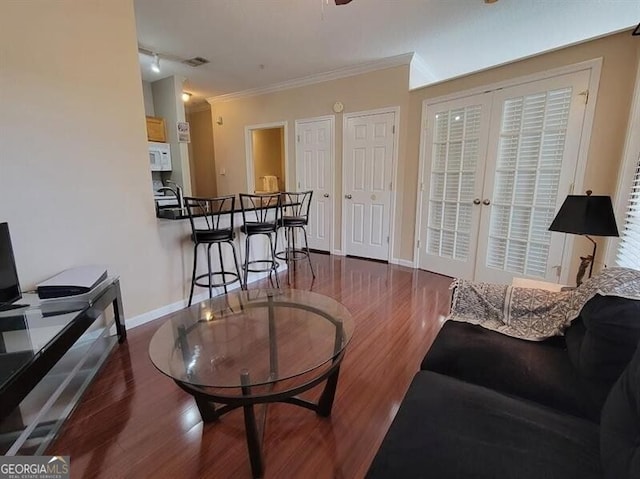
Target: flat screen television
x: 9, y: 284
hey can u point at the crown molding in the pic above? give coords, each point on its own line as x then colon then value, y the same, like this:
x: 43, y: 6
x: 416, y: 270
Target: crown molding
x: 197, y: 107
x: 389, y: 62
x: 419, y: 73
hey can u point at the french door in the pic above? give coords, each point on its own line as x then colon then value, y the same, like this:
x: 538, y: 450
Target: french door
x: 496, y: 167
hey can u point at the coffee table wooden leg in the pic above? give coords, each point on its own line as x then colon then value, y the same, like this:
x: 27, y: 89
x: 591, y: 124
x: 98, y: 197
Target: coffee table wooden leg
x: 325, y: 403
x: 207, y: 409
x: 253, y: 441
x: 251, y: 429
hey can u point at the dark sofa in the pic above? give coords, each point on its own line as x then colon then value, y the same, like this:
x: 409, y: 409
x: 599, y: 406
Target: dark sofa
x: 485, y: 405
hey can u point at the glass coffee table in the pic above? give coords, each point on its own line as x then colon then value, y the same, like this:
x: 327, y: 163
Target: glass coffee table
x: 255, y: 347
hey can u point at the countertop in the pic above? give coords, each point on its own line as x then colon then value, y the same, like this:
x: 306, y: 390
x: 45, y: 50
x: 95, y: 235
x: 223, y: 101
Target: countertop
x: 175, y: 213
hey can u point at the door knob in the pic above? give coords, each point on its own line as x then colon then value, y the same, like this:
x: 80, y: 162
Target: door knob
x: 486, y: 202
x: 326, y: 195
x: 476, y: 201
x: 348, y: 197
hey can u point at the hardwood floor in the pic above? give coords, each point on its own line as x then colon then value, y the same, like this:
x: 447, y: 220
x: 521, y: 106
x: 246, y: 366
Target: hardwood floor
x: 134, y: 422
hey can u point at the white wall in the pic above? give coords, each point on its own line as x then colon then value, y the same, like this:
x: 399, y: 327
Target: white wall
x: 75, y: 184
x: 168, y: 104
x: 148, y: 99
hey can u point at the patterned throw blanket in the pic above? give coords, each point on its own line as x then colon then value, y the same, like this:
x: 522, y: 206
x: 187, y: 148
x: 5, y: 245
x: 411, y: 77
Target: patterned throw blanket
x: 535, y: 314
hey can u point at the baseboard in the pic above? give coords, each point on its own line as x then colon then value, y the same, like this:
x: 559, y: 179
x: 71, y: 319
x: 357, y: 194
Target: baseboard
x: 402, y: 262
x: 338, y: 252
x: 319, y: 251
x: 143, y: 318
x: 374, y: 260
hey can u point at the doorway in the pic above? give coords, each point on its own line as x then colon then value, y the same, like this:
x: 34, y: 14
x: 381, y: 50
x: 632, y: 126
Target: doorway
x: 201, y: 153
x: 266, y: 147
x: 370, y: 152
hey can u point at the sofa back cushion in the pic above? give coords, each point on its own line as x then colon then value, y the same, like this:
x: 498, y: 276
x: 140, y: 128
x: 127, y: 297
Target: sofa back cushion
x: 602, y: 343
x: 620, y: 425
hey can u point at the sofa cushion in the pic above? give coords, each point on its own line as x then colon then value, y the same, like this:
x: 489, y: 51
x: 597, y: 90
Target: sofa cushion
x: 449, y: 429
x: 604, y: 347
x: 620, y: 425
x: 538, y: 371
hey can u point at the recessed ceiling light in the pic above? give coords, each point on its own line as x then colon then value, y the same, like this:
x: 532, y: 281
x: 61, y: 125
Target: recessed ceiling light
x: 155, y: 63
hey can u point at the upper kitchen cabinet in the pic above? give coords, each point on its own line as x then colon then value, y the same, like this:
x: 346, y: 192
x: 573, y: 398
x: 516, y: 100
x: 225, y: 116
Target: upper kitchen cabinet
x: 156, y: 130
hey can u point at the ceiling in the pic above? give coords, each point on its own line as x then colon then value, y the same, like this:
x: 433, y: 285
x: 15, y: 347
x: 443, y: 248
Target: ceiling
x: 258, y: 43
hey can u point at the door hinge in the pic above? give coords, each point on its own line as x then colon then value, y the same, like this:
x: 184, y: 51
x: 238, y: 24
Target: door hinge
x: 387, y: 240
x: 418, y: 244
x: 421, y: 186
x: 391, y: 186
x: 393, y: 129
x: 298, y: 185
x: 571, y: 186
x: 298, y: 138
x: 585, y: 94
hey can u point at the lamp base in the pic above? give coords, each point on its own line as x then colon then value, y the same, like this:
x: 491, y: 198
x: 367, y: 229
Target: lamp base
x: 585, y: 262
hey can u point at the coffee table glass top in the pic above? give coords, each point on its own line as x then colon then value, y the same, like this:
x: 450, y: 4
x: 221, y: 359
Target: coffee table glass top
x: 269, y: 335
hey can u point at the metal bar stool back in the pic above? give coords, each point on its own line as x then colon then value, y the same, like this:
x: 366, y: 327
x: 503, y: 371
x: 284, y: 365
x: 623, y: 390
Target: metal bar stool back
x: 215, y: 227
x: 295, y: 216
x: 260, y: 216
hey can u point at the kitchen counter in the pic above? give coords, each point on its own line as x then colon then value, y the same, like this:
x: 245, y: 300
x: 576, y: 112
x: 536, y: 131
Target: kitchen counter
x: 175, y: 213
x: 175, y: 236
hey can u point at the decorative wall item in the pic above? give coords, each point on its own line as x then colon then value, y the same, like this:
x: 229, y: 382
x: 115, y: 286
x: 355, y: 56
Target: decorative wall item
x: 184, y: 134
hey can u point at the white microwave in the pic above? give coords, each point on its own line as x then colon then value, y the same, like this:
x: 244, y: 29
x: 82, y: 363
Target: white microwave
x: 159, y: 156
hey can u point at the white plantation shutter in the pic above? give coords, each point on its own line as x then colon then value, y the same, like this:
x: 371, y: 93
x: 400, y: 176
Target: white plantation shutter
x: 528, y: 168
x: 629, y: 248
x: 455, y: 153
x: 519, y: 147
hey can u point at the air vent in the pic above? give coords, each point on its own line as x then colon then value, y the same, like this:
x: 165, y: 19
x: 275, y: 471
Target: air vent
x: 195, y: 61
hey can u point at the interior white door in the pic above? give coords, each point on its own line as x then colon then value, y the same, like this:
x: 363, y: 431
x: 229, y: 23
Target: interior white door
x: 314, y: 166
x: 455, y: 140
x: 367, y: 183
x: 534, y: 143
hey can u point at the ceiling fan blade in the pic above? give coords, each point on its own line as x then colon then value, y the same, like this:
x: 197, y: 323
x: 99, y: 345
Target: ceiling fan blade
x: 342, y: 2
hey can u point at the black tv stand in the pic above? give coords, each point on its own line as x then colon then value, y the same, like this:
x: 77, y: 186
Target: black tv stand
x: 49, y: 354
x: 9, y: 307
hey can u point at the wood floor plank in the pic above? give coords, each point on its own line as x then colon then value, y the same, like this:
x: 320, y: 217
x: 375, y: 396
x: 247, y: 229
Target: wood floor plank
x: 134, y: 422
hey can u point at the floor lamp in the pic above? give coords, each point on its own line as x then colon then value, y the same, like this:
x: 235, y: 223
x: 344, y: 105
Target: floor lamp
x: 586, y: 215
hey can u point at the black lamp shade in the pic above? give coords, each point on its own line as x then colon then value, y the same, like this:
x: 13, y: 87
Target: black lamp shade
x: 586, y: 215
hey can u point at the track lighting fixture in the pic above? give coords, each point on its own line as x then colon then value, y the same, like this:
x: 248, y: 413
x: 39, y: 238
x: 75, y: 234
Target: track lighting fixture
x: 155, y: 63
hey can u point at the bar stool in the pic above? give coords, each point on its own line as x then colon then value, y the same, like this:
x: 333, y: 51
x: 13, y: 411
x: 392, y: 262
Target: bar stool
x: 260, y: 216
x: 295, y: 215
x: 214, y: 211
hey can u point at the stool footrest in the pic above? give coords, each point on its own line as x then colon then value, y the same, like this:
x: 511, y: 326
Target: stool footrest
x: 236, y: 277
x: 269, y: 265
x: 292, y: 254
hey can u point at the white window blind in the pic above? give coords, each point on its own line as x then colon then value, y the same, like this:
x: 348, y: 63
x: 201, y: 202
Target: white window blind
x: 629, y: 247
x: 530, y: 152
x: 456, y: 141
